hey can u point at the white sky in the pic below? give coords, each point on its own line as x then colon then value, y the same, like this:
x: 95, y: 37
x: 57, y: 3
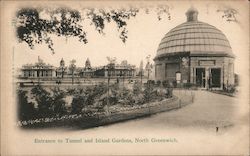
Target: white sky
x: 144, y: 35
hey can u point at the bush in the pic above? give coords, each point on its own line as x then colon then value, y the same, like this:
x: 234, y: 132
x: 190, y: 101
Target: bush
x: 169, y: 93
x: 59, y: 103
x: 44, y: 101
x: 151, y: 82
x: 124, y: 96
x: 231, y: 89
x: 90, y: 96
x: 71, y: 91
x: 99, y: 90
x: 78, y: 104
x: 138, y: 99
x: 49, y: 104
x: 189, y: 85
x: 158, y: 83
x: 164, y: 83
x: 174, y: 83
x: 26, y: 110
x: 148, y: 92
x: 137, y: 88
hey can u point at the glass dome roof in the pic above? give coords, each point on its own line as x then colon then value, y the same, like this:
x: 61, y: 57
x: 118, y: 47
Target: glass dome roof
x: 196, y: 37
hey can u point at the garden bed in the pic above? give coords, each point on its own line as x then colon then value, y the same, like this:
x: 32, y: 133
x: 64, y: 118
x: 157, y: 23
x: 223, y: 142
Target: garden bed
x: 102, y: 118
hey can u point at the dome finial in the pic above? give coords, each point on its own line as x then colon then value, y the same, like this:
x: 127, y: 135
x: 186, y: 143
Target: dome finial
x: 192, y: 14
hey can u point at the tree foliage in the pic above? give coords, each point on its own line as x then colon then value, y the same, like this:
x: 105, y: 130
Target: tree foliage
x: 44, y: 101
x: 137, y: 88
x: 78, y: 103
x: 49, y: 104
x: 26, y: 109
x: 36, y: 25
x: 59, y: 103
x: 86, y: 97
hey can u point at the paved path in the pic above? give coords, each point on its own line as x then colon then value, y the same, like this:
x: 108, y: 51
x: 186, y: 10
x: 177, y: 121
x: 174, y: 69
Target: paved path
x: 208, y: 111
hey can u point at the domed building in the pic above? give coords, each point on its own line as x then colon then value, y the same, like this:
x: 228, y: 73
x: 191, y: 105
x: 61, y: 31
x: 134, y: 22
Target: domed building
x: 195, y: 52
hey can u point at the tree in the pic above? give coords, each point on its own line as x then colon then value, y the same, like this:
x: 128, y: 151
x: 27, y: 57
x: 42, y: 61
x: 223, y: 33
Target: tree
x: 26, y: 110
x: 72, y: 68
x: 44, y: 101
x: 137, y: 88
x: 58, y: 101
x: 148, y: 92
x: 78, y: 103
x: 37, y: 25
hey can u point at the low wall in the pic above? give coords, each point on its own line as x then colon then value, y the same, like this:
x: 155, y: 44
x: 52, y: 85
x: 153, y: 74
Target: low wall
x: 102, y: 118
x: 223, y: 93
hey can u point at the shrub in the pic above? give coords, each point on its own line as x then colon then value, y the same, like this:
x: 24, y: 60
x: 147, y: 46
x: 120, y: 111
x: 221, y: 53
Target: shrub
x: 138, y: 99
x: 26, y: 110
x: 148, y: 92
x: 59, y: 103
x: 124, y: 96
x: 164, y: 83
x: 189, y: 85
x: 44, y: 101
x: 231, y: 89
x: 169, y: 93
x: 151, y: 82
x: 158, y: 83
x: 137, y: 88
x: 174, y: 83
x: 71, y: 91
x: 78, y: 104
x: 99, y: 90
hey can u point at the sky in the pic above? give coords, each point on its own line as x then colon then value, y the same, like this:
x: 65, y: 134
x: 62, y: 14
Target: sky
x: 144, y: 35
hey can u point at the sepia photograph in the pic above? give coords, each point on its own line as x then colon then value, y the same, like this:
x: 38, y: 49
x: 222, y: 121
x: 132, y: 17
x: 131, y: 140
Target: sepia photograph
x: 125, y: 77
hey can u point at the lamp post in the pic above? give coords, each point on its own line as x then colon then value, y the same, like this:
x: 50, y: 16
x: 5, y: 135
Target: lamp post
x: 141, y: 71
x: 148, y: 66
x: 72, y: 68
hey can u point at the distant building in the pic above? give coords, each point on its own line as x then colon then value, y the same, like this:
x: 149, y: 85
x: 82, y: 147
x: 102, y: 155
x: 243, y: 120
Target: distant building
x: 42, y: 70
x: 37, y: 70
x: 87, y: 71
x: 195, y: 52
x: 66, y: 71
x: 61, y: 71
x: 119, y: 70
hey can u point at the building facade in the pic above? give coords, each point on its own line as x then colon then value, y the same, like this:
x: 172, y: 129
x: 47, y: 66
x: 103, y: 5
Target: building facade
x: 46, y: 71
x: 61, y: 71
x: 38, y: 70
x: 123, y: 69
x: 195, y: 52
x: 87, y: 71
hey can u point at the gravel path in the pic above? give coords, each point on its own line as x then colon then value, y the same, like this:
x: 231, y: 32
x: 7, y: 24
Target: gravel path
x: 208, y: 111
